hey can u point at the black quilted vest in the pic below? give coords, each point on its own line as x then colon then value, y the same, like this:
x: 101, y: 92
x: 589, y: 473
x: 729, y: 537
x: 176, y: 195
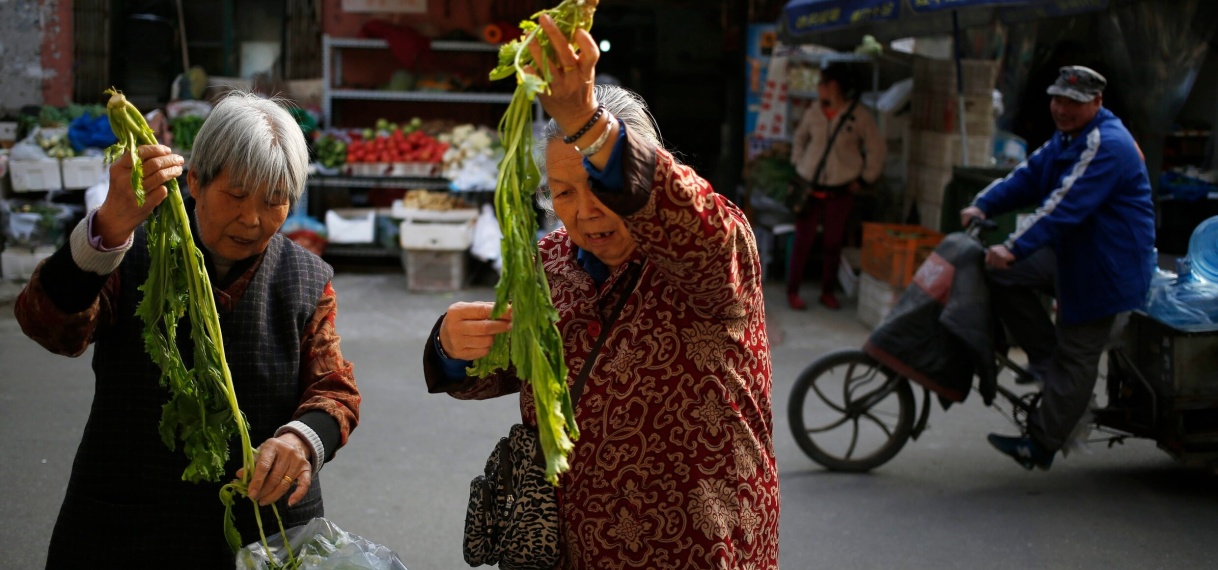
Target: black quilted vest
x: 124, y: 478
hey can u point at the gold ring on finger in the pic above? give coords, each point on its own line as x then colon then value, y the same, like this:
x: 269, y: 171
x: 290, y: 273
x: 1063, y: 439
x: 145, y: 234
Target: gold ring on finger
x: 287, y: 480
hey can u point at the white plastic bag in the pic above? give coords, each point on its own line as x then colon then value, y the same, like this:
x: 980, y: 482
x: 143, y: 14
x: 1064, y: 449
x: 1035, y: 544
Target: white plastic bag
x: 487, y: 238
x: 320, y: 545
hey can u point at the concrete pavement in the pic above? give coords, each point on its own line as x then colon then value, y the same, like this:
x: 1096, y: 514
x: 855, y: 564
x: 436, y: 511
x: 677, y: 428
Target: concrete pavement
x: 946, y: 501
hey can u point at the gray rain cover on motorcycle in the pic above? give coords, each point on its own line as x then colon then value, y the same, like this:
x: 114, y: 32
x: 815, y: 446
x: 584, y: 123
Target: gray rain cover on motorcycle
x: 939, y: 333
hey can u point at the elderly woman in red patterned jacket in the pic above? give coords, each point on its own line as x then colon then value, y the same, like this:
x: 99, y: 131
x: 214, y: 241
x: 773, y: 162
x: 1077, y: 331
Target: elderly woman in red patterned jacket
x: 126, y: 502
x: 675, y: 466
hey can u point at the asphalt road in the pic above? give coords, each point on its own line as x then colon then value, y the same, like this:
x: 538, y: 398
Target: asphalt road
x: 946, y: 501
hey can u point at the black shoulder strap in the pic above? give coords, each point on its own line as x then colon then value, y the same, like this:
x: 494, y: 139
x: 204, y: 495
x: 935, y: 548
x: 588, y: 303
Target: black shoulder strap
x: 820, y: 166
x: 577, y: 389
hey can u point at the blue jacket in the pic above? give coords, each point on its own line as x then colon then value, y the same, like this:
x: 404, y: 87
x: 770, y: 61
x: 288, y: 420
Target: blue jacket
x: 1095, y: 211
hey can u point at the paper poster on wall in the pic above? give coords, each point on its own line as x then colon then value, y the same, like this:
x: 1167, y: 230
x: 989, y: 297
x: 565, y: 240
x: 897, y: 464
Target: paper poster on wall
x: 394, y: 6
x: 759, y: 46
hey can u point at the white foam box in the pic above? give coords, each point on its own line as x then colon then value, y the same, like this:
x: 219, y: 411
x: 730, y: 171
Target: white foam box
x: 436, y: 236
x: 876, y: 299
x: 35, y: 175
x: 848, y: 270
x: 18, y: 263
x: 351, y: 225
x: 83, y: 171
x: 433, y: 271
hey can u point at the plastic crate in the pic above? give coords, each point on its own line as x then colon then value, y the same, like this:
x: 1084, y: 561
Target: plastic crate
x: 893, y: 252
x: 434, y: 271
x: 1180, y: 362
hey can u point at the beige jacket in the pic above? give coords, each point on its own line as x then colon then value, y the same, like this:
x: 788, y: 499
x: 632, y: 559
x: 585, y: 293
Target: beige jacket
x: 858, y: 150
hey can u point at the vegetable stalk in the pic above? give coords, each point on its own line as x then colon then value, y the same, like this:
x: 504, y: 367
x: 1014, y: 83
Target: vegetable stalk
x: 533, y: 345
x: 202, y: 410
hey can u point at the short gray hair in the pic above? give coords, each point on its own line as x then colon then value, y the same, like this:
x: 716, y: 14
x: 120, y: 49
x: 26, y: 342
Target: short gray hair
x: 619, y: 102
x: 257, y: 142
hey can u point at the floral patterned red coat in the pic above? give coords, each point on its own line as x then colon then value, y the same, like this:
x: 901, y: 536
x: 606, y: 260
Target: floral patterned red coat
x: 674, y: 466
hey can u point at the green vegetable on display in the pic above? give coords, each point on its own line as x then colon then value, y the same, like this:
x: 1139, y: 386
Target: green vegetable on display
x: 184, y: 129
x: 534, y: 345
x: 202, y: 411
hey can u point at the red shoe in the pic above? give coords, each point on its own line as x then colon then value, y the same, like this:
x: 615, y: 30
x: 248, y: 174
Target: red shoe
x: 830, y: 301
x: 796, y: 303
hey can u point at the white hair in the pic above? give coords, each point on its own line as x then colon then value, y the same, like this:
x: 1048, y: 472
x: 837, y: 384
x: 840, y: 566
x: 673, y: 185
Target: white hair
x: 619, y: 102
x: 257, y: 142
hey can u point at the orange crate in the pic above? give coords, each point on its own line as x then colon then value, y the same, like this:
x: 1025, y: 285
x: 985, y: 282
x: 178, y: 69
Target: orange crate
x: 893, y: 252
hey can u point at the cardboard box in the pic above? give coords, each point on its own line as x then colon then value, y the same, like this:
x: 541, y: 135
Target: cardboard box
x: 83, y: 171
x: 35, y: 175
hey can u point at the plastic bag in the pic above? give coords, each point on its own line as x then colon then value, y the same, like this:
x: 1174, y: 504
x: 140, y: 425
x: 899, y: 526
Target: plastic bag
x: 487, y: 238
x: 91, y: 132
x: 321, y: 545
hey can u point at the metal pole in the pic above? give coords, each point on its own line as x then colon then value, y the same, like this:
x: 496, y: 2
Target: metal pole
x: 959, y: 88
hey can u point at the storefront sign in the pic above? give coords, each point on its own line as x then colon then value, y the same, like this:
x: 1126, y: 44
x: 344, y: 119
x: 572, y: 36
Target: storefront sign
x: 819, y: 15
x: 395, y: 6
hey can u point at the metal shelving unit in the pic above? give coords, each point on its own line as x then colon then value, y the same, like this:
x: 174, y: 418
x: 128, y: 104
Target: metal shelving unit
x: 332, y: 77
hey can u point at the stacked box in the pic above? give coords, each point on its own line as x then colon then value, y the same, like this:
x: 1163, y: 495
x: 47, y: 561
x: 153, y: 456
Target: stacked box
x: 934, y: 111
x: 434, y: 271
x: 943, y: 150
x: 876, y: 299
x: 17, y: 263
x: 434, y: 246
x: 939, y: 75
x: 35, y: 175
x: 83, y: 171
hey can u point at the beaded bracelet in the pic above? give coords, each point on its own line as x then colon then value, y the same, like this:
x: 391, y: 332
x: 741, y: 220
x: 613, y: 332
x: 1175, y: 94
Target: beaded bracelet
x: 596, y: 145
x: 595, y: 117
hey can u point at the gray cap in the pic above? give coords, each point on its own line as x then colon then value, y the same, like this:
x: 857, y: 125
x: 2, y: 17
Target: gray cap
x: 1079, y: 83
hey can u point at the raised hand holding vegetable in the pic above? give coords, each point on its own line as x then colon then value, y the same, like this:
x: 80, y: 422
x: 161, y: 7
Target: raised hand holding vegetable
x: 534, y: 346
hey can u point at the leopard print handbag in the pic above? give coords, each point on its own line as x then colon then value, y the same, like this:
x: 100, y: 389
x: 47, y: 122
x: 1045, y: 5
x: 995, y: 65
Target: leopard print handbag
x: 512, y: 516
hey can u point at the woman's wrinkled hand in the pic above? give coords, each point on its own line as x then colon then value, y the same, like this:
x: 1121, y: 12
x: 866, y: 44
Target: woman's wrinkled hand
x: 119, y: 215
x: 468, y: 330
x: 279, y: 463
x: 572, y: 75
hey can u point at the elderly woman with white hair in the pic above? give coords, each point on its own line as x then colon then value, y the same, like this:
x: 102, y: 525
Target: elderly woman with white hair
x: 126, y: 502
x: 675, y: 464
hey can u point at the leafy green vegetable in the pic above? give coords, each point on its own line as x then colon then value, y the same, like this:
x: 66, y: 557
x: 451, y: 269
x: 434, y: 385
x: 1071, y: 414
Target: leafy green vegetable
x: 533, y: 346
x: 202, y: 411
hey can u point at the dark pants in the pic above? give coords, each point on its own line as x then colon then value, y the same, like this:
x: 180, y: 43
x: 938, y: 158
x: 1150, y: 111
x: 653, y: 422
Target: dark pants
x: 832, y: 213
x: 1068, y: 355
